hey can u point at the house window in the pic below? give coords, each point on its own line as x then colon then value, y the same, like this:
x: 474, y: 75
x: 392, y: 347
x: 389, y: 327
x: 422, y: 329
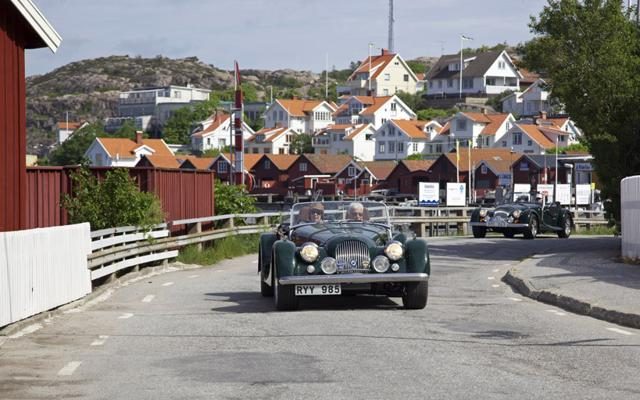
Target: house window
x: 400, y: 147
x: 504, y: 143
x: 502, y: 65
x: 517, y: 138
x: 392, y: 147
x: 491, y: 81
x: 385, y: 92
x: 450, y: 83
x: 440, y: 84
x: 267, y: 150
x: 439, y: 148
x: 387, y: 77
x: 392, y: 131
x: 303, y: 167
x: 255, y: 150
x: 394, y: 107
x: 529, y: 142
x: 406, y: 77
x: 381, y: 148
x: 208, y: 141
x: 461, y: 124
x: 561, y: 138
x: 351, y: 171
x: 281, y: 150
x: 222, y: 142
x: 415, y: 147
x: 486, y: 141
x: 483, y: 169
x: 267, y: 164
x: 467, y: 83
x: 223, y: 167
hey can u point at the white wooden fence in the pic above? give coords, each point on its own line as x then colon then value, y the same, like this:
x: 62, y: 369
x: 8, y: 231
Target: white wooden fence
x: 630, y: 217
x: 41, y: 269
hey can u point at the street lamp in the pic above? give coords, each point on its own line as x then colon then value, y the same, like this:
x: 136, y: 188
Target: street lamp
x: 369, y: 77
x: 462, y: 39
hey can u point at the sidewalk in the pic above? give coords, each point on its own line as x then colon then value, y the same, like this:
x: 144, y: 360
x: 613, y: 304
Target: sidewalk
x: 588, y: 283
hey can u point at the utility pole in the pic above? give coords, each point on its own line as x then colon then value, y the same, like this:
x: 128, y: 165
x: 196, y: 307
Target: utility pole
x: 391, y: 21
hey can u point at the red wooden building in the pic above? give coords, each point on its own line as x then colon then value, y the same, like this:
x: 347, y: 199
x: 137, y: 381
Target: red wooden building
x: 22, y: 26
x: 407, y: 174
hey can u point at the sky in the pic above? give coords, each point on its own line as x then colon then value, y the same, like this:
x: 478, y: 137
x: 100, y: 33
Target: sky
x: 275, y: 34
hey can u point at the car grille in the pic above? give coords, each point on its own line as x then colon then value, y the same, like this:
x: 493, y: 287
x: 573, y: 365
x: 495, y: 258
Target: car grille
x: 352, y: 256
x: 501, y: 214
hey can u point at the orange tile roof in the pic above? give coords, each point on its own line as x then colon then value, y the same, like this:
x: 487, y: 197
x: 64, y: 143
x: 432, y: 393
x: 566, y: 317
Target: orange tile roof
x: 446, y: 129
x: 338, y: 127
x: 328, y: 163
x: 282, y: 161
x: 200, y: 162
x: 558, y: 121
x: 477, y: 117
x: 496, y: 122
x: 163, y: 161
x: 417, y: 165
x: 356, y: 131
x: 534, y: 133
x: 498, y: 166
x: 275, y: 134
x: 299, y: 108
x: 378, y: 64
x: 377, y: 103
x: 412, y: 128
x: 380, y: 169
x: 72, y: 126
x: 125, y: 147
x: 478, y: 155
x: 218, y: 119
x: 250, y: 160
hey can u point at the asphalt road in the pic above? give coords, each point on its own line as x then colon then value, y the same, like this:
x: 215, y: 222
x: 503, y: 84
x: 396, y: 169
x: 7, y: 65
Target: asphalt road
x: 208, y: 334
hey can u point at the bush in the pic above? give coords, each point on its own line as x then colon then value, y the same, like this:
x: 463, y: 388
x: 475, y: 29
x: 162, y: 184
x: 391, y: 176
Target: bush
x: 229, y: 247
x: 233, y: 199
x: 115, y: 201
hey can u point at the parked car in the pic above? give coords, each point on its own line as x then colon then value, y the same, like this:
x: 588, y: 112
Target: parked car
x: 336, y: 248
x: 523, y: 216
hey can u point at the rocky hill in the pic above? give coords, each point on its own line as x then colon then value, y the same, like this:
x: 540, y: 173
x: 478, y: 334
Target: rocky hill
x: 88, y: 90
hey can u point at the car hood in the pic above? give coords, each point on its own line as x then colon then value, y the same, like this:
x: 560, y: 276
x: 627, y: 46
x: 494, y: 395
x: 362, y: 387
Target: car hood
x: 321, y: 234
x: 509, y: 208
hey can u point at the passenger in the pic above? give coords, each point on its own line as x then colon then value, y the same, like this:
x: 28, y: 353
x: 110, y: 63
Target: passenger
x: 356, y: 212
x: 312, y: 213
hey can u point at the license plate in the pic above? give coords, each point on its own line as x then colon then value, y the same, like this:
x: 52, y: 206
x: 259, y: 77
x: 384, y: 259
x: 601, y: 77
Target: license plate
x: 499, y: 223
x: 318, y: 290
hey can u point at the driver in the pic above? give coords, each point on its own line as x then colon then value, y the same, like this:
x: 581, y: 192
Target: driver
x: 356, y: 212
x: 314, y: 213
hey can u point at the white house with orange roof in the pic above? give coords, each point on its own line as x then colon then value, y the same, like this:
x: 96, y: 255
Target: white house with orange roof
x: 372, y: 110
x: 354, y: 140
x: 304, y: 116
x: 482, y: 129
x: 66, y: 129
x: 215, y: 133
x: 381, y: 75
x: 119, y: 152
x: 532, y: 101
x: 533, y: 138
x: 397, y: 139
x: 271, y: 141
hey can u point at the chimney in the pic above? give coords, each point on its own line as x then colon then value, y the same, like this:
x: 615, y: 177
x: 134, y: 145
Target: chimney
x: 543, y: 115
x: 484, y: 110
x: 138, y: 137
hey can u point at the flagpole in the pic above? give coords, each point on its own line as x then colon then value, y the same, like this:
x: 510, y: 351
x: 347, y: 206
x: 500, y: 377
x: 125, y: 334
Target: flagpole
x: 555, y: 189
x: 457, y: 161
x: 469, y: 175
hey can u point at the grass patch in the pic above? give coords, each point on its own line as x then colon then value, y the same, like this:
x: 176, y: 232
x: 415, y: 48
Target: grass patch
x: 229, y: 247
x: 597, y: 230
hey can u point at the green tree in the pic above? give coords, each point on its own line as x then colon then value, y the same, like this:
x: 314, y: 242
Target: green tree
x: 232, y: 199
x: 415, y: 156
x: 418, y: 67
x: 301, y: 144
x: 495, y: 102
x: 178, y: 127
x: 590, y: 51
x: 579, y: 147
x: 114, y: 201
x: 127, y: 130
x: 71, y: 151
x: 431, y: 113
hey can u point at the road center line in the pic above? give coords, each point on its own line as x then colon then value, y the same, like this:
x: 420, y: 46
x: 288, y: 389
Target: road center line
x: 254, y: 262
x: 100, y: 341
x: 125, y: 316
x: 620, y: 331
x: 496, y: 270
x: 495, y: 286
x: 148, y: 298
x: 70, y: 368
x: 556, y: 312
x: 167, y: 284
x: 491, y: 278
x: 514, y: 299
x: 193, y: 276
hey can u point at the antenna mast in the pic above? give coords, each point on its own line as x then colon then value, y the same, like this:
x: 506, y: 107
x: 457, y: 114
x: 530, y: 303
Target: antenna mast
x: 391, y: 20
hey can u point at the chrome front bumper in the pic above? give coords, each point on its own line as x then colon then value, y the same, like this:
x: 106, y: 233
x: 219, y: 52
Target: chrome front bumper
x: 485, y: 225
x: 353, y: 278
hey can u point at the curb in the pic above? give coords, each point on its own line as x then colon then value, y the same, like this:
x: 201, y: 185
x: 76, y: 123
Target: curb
x: 527, y: 289
x: 94, y: 296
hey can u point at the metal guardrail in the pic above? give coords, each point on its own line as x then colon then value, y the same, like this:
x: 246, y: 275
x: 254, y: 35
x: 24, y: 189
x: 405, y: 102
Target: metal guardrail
x: 129, y: 247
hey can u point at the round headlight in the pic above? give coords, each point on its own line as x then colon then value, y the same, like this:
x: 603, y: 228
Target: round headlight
x: 309, y: 252
x: 394, y: 251
x: 381, y: 264
x: 516, y: 213
x: 483, y: 212
x: 329, y: 266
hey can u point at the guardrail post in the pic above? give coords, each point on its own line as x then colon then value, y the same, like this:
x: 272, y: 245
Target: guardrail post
x: 196, y: 228
x: 423, y: 225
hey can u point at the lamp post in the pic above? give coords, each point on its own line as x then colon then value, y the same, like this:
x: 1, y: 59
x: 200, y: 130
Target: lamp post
x: 369, y: 77
x: 462, y: 39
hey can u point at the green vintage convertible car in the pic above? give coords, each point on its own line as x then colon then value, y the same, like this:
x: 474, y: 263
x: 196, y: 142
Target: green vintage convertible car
x: 340, y: 248
x: 523, y: 216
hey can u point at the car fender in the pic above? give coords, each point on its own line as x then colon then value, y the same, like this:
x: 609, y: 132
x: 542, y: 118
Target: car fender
x: 284, y: 262
x: 266, y: 248
x: 417, y: 256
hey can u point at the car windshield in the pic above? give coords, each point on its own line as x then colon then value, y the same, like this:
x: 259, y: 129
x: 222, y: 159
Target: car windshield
x: 339, y: 211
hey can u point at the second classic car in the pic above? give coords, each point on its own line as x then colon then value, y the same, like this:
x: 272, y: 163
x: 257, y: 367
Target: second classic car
x: 523, y: 216
x: 336, y: 248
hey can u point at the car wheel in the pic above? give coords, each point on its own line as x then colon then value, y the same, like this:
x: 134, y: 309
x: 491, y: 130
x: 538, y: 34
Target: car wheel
x: 508, y: 234
x: 415, y: 296
x: 479, y: 231
x: 532, y: 230
x: 265, y: 290
x: 284, y: 295
x: 566, y: 229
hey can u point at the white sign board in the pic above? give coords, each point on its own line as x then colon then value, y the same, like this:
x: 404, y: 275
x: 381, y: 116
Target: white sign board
x: 546, y: 190
x: 564, y: 194
x: 456, y: 194
x: 520, y: 189
x: 583, y: 194
x: 428, y: 193
x: 504, y: 179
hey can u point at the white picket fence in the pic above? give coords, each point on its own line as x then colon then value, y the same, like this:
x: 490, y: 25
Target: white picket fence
x: 41, y: 269
x: 630, y: 217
